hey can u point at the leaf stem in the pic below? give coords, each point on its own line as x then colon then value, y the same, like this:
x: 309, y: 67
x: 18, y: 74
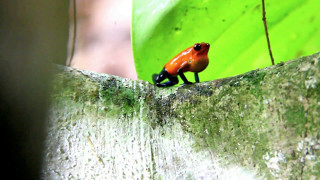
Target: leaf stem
x: 264, y: 19
x: 73, y: 43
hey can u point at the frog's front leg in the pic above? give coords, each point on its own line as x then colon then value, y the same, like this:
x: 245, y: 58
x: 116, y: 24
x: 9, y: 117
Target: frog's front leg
x: 196, y: 77
x: 185, y: 80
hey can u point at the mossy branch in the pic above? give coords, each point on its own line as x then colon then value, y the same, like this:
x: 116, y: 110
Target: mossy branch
x: 266, y: 120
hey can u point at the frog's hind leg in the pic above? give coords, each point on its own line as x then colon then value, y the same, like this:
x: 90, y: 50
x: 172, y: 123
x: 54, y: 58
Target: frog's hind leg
x: 172, y: 81
x: 158, y: 78
x: 154, y: 78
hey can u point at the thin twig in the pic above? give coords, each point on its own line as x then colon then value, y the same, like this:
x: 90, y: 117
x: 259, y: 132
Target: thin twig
x: 73, y: 43
x: 264, y: 19
x: 94, y: 151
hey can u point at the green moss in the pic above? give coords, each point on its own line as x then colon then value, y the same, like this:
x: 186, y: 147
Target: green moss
x: 225, y: 130
x: 77, y: 88
x: 316, y: 169
x: 296, y: 119
x: 115, y: 99
x: 118, y: 100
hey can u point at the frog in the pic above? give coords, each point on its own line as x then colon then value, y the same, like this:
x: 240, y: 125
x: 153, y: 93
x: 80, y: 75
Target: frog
x: 193, y: 59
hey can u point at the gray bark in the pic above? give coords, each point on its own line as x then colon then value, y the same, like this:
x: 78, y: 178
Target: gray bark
x: 261, y: 124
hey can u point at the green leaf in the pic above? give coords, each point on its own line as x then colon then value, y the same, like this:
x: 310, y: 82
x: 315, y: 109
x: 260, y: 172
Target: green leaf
x: 234, y: 28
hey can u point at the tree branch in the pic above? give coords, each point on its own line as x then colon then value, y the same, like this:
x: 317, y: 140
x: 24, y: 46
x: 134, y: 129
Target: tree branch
x: 257, y: 119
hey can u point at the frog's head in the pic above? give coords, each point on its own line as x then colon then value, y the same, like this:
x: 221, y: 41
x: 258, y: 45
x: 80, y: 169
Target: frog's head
x: 201, y: 49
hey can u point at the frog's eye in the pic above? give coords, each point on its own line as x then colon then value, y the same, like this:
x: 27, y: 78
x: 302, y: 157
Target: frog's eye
x: 197, y: 47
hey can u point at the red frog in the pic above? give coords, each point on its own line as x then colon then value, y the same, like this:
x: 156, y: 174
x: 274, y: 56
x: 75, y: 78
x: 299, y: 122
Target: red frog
x: 194, y: 59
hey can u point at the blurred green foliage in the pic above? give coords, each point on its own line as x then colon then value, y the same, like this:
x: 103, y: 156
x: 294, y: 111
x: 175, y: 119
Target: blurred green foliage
x: 234, y: 28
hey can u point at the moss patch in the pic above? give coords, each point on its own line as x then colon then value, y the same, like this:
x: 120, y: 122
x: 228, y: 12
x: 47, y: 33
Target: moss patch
x: 296, y: 118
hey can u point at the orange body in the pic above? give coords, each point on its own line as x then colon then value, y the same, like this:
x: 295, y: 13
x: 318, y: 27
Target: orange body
x: 189, y: 60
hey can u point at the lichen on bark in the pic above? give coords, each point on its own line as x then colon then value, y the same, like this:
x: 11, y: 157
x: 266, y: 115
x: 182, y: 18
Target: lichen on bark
x: 266, y: 122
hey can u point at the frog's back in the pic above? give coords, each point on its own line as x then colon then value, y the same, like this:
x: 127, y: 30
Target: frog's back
x: 177, y: 62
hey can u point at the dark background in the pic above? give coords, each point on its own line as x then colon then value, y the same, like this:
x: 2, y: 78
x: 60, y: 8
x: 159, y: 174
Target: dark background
x: 33, y: 36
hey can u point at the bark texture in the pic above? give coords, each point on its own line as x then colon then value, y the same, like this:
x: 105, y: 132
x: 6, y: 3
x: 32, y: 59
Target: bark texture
x: 261, y: 124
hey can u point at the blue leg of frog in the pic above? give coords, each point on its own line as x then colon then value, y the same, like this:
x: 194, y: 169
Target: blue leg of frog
x: 158, y: 78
